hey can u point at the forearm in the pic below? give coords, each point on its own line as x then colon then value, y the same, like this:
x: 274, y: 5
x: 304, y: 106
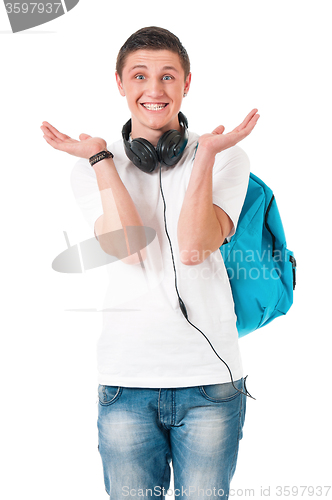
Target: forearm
x: 119, y: 212
x: 199, y: 231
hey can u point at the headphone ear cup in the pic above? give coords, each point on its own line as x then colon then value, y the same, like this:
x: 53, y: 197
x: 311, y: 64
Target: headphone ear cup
x: 171, y: 146
x: 143, y: 155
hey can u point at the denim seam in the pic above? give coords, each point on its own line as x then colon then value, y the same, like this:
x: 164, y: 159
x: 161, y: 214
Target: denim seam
x: 238, y: 439
x: 116, y: 396
x: 163, y: 480
x: 159, y: 407
x: 173, y: 408
x: 224, y: 400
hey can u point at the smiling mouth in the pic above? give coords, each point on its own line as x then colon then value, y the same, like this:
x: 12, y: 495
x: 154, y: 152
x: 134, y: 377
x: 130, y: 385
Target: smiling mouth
x: 154, y: 107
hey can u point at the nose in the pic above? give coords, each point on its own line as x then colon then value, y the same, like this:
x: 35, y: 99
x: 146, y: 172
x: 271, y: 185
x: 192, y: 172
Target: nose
x: 155, y: 88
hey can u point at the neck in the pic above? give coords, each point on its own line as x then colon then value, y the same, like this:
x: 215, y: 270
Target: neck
x: 152, y: 135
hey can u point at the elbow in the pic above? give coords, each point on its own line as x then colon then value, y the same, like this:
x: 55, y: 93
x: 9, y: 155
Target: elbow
x: 188, y: 258
x: 193, y: 257
x: 190, y: 262
x: 124, y: 256
x: 128, y: 250
x: 197, y: 252
x: 135, y: 258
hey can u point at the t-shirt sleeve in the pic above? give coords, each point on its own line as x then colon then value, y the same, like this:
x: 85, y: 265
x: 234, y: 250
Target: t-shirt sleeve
x: 86, y: 192
x: 231, y: 172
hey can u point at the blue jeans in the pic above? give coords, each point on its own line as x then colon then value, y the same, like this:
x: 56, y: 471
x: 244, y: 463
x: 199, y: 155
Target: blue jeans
x: 141, y: 431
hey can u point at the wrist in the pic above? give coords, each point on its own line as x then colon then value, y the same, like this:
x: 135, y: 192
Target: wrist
x: 102, y: 165
x: 96, y: 150
x: 204, y: 157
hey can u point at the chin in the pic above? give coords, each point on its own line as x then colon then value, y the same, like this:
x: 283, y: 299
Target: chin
x: 162, y: 123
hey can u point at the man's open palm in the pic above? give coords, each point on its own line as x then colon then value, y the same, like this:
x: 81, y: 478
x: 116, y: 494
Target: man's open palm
x: 86, y: 147
x: 218, y: 141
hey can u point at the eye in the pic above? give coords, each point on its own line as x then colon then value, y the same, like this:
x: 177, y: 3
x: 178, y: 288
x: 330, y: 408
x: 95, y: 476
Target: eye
x: 168, y: 77
x: 139, y: 77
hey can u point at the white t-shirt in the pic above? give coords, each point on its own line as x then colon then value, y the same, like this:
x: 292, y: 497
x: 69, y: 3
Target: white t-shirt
x: 146, y: 341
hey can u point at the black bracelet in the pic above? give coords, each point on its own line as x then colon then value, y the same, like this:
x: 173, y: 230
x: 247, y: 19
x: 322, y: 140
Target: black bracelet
x: 100, y: 156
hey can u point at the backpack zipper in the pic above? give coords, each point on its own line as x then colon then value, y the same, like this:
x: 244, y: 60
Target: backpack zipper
x: 268, y: 227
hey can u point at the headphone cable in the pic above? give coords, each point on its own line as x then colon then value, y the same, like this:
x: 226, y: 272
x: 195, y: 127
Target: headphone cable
x: 182, y: 305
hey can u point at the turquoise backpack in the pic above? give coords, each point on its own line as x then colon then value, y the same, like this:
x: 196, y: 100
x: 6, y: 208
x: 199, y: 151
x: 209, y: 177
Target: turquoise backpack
x: 261, y: 269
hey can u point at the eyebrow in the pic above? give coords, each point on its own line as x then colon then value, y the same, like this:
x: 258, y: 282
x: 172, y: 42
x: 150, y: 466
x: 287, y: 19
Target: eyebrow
x: 164, y: 68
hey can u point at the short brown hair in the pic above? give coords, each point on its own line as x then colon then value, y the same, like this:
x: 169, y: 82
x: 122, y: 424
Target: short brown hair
x: 153, y: 38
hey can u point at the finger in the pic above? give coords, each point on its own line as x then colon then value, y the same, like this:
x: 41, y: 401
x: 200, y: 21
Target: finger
x: 248, y: 118
x: 55, y: 131
x: 241, y: 134
x: 47, y: 132
x: 51, y: 142
x: 83, y: 137
x: 219, y: 130
x: 51, y: 136
x: 249, y: 127
x: 246, y: 121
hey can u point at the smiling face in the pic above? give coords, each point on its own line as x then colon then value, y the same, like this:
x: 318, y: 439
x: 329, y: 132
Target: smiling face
x: 153, y: 82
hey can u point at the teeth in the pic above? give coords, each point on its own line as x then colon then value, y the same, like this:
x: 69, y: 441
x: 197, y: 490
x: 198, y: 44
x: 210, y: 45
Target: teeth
x: 154, y: 107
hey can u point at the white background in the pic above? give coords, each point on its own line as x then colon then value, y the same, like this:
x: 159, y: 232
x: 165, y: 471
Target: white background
x: 275, y: 56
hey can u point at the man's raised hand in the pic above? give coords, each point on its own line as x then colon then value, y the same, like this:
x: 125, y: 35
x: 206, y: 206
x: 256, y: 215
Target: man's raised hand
x: 86, y: 147
x: 217, y: 141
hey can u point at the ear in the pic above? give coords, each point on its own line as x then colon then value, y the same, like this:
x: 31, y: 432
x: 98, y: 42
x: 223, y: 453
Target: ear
x: 119, y: 84
x: 187, y: 83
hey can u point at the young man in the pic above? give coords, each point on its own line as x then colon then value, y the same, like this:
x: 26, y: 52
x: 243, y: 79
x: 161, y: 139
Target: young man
x: 164, y: 396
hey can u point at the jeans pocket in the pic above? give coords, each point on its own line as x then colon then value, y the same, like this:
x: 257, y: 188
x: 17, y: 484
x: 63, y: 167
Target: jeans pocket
x: 221, y: 392
x: 108, y: 394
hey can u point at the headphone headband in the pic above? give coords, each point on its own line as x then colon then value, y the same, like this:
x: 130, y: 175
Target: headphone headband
x: 168, y: 152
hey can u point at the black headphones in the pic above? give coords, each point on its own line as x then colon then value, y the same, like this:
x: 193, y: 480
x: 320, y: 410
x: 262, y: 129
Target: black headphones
x: 168, y: 152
